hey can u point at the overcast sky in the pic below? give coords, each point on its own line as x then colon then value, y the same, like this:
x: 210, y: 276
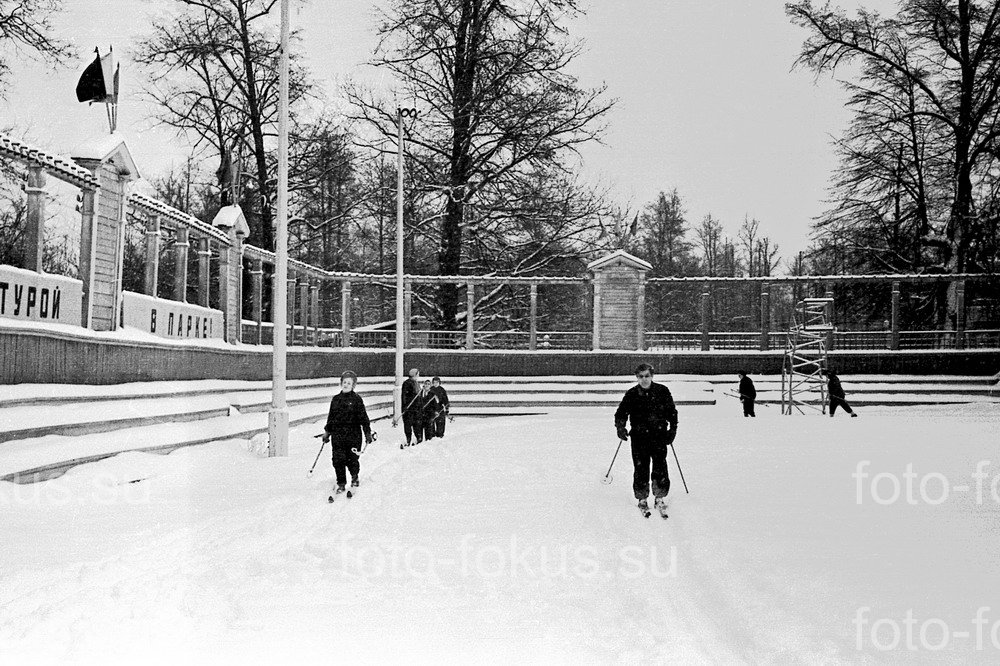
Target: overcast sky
x: 707, y: 101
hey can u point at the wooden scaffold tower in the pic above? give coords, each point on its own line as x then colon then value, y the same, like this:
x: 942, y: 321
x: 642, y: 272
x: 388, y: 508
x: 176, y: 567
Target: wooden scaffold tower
x: 802, y: 381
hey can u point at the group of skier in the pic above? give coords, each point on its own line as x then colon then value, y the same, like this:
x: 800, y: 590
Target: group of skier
x: 425, y: 408
x: 648, y: 407
x: 425, y: 412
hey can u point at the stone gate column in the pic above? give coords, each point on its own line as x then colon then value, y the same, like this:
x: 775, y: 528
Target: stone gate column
x: 111, y: 162
x: 619, y: 281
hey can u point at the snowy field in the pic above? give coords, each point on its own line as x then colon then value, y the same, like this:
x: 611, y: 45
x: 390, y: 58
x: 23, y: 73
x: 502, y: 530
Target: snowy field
x: 501, y: 543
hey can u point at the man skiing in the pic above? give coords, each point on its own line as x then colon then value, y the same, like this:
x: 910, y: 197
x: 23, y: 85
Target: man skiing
x: 429, y: 406
x: 836, y: 392
x: 748, y: 394
x: 411, y: 412
x: 443, y: 406
x: 344, y: 426
x: 650, y: 409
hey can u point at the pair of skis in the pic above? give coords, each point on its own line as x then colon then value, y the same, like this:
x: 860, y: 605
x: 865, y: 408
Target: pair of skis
x: 646, y: 512
x: 350, y: 493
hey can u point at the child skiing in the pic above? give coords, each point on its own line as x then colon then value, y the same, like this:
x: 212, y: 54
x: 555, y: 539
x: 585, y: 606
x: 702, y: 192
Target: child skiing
x: 443, y: 406
x: 836, y: 392
x: 347, y: 421
x: 427, y: 402
x: 650, y: 409
x: 411, y: 412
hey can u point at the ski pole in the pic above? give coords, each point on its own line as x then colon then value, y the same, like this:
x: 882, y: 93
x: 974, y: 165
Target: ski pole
x: 607, y: 477
x: 321, y: 447
x: 741, y: 396
x: 394, y: 421
x: 364, y: 447
x: 672, y: 448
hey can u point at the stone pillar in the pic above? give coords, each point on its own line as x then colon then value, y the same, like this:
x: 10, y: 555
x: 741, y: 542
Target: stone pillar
x: 960, y: 314
x: 894, y: 330
x: 291, y: 309
x: 257, y: 296
x: 87, y: 239
x: 304, y: 309
x: 181, y: 264
x: 618, y: 281
x: 706, y: 317
x: 34, y: 218
x: 204, y: 271
x: 345, y: 312
x: 470, y: 312
x: 641, y: 317
x: 152, y: 255
x: 765, y: 317
x: 314, y: 308
x: 595, y: 299
x: 103, y: 238
x: 533, y: 319
x: 407, y: 313
x: 829, y: 317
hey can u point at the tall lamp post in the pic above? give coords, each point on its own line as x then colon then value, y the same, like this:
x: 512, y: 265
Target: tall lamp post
x: 277, y: 421
x: 400, y: 315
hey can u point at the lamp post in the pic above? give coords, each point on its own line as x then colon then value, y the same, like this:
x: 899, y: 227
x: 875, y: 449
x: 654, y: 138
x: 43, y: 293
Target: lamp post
x: 277, y: 421
x: 400, y: 328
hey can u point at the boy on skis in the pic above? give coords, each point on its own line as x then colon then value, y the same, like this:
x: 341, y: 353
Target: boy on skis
x: 411, y: 412
x: 347, y: 421
x: 427, y: 402
x: 443, y: 406
x: 650, y: 409
x: 836, y: 392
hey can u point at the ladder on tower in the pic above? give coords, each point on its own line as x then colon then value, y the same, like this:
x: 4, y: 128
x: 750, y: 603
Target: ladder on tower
x: 802, y: 383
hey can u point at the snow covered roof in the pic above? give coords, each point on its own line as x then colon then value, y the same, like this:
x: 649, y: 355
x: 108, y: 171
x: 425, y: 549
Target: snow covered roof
x: 58, y: 166
x: 111, y: 147
x: 620, y: 258
x: 231, y: 217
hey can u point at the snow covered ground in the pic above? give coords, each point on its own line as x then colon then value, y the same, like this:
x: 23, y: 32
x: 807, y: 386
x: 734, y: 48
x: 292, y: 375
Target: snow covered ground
x: 501, y: 542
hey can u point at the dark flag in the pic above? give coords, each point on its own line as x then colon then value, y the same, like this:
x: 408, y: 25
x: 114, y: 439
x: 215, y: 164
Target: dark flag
x: 635, y: 225
x: 93, y: 85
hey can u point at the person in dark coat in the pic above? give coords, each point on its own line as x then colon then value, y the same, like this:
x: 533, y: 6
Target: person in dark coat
x: 347, y: 421
x: 444, y: 406
x: 650, y: 409
x: 429, y: 405
x: 411, y: 412
x: 748, y: 394
x: 836, y: 392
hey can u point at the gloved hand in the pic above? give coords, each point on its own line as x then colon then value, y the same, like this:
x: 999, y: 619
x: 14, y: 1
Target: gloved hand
x: 326, y: 437
x: 672, y: 434
x: 622, y: 432
x: 369, y: 439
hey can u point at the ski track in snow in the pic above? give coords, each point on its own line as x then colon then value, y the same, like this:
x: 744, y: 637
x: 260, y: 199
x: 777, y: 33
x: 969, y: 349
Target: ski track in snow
x: 500, y: 542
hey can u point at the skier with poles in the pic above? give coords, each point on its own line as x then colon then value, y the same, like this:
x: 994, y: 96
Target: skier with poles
x: 836, y: 391
x: 748, y: 394
x: 344, y: 426
x: 428, y: 404
x: 444, y: 406
x: 411, y: 413
x: 650, y: 409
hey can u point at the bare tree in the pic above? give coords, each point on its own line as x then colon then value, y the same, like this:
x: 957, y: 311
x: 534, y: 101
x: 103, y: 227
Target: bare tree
x: 26, y: 28
x: 214, y: 73
x: 490, y: 79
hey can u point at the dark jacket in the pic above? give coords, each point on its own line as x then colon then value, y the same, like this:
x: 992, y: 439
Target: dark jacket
x: 650, y: 411
x: 747, y: 389
x: 428, y: 404
x: 833, y: 384
x: 410, y: 391
x: 442, y: 395
x: 348, y: 418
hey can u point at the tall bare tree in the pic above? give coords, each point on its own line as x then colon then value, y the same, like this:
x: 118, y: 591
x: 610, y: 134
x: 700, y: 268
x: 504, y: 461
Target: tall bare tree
x: 490, y: 79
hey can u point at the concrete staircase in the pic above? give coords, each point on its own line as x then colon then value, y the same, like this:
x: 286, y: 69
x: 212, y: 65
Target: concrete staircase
x: 47, y: 429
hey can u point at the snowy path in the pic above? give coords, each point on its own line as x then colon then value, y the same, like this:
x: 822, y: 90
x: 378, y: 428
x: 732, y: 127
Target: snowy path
x: 500, y: 542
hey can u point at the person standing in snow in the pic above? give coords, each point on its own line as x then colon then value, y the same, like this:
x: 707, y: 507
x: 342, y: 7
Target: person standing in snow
x: 650, y: 409
x: 347, y: 421
x: 428, y: 404
x: 411, y: 413
x: 443, y: 406
x: 836, y: 392
x: 748, y: 394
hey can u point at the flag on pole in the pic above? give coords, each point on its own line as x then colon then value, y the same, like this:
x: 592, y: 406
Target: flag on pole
x: 635, y: 225
x: 99, y: 82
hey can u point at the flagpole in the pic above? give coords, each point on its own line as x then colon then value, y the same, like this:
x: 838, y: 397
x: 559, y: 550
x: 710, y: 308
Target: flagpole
x: 277, y: 422
x: 400, y: 327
